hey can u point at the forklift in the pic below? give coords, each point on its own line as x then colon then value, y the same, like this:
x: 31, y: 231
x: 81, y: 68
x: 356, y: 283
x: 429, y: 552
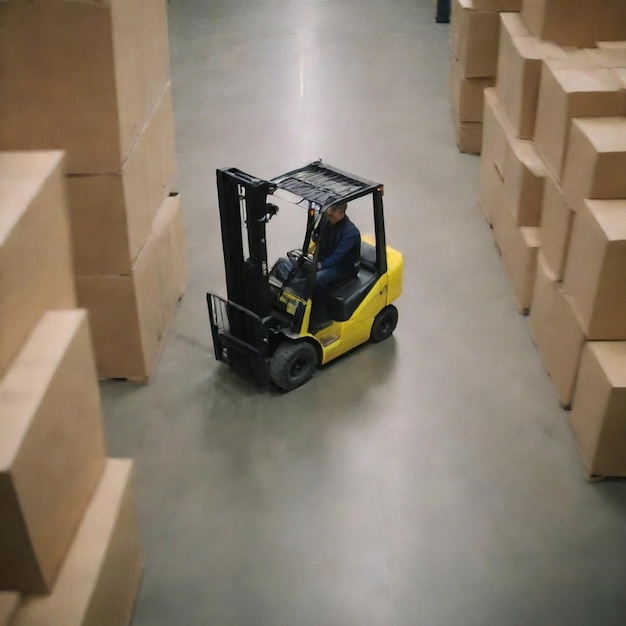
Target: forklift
x: 263, y: 329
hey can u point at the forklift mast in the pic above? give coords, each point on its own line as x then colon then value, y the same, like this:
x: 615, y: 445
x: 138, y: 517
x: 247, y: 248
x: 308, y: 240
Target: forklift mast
x: 244, y: 209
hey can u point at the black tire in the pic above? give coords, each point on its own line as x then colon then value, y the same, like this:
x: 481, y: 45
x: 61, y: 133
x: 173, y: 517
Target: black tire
x: 384, y: 324
x: 293, y: 364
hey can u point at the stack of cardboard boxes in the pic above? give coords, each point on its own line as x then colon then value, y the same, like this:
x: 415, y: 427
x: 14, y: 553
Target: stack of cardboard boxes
x: 69, y: 552
x: 474, y: 35
x: 92, y: 78
x: 552, y: 187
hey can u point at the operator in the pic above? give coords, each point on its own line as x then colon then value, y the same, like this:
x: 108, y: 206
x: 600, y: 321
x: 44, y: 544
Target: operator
x: 339, y: 253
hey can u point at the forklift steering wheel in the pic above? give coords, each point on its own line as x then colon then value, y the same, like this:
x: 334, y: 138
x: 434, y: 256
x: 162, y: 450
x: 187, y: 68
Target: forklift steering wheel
x: 295, y: 256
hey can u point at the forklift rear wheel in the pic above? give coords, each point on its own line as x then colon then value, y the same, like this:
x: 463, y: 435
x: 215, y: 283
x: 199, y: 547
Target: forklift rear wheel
x: 384, y: 324
x: 293, y: 364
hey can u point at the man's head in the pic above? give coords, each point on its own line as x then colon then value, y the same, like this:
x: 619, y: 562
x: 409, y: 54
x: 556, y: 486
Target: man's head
x: 336, y: 212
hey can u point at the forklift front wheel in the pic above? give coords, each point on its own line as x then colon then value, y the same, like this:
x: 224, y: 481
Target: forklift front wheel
x: 293, y: 364
x: 384, y: 324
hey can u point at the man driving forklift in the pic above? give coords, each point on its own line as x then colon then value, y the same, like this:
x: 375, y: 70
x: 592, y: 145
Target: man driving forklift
x: 339, y: 257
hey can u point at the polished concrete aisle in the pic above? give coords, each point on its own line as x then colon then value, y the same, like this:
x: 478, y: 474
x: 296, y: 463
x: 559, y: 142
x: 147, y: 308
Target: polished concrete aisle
x: 431, y: 480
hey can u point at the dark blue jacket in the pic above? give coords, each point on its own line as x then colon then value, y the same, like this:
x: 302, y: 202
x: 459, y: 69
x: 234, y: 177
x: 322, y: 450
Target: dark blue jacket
x: 340, y: 246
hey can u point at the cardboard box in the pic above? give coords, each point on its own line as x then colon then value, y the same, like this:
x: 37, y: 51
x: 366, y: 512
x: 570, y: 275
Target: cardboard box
x: 608, y: 57
x: 8, y: 604
x: 81, y: 76
x: 620, y: 75
x: 130, y: 314
x: 466, y: 94
x: 611, y: 45
x: 568, y: 93
x: 52, y: 450
x: 171, y: 255
x: 524, y: 176
x: 556, y: 227
x: 491, y: 189
x: 516, y: 162
x: 512, y: 25
x: 598, y: 414
x: 474, y: 39
x: 496, y: 129
x: 596, y: 160
x: 611, y: 20
x: 518, y: 246
x: 595, y: 269
x: 468, y: 135
x: 112, y: 214
x: 577, y: 23
x: 35, y: 252
x: 156, y: 52
x: 99, y: 580
x: 573, y: 59
x: 556, y: 332
x: 519, y: 73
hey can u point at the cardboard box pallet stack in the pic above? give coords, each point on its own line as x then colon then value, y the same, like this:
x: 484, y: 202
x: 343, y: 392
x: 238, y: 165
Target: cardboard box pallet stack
x: 552, y: 187
x: 69, y: 551
x: 473, y: 59
x: 92, y: 78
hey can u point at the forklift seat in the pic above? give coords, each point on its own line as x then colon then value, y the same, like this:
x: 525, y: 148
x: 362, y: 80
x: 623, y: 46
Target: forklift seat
x: 344, y: 298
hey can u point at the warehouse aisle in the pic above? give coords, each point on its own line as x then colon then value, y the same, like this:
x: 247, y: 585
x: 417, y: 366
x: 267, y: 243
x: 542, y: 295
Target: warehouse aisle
x: 429, y: 480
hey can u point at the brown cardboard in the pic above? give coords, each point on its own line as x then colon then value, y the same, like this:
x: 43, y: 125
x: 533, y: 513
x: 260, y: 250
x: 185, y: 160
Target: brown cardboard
x: 35, y: 253
x: 130, y: 314
x: 620, y: 75
x: 598, y: 414
x: 495, y: 131
x: 474, y: 39
x: 609, y: 57
x: 556, y: 227
x: 171, y: 253
x: 8, y: 604
x: 99, y: 580
x: 518, y: 246
x: 573, y: 59
x: 466, y: 94
x: 611, y: 45
x: 611, y: 20
x: 81, y: 76
x: 52, y: 449
x: 112, y: 214
x: 595, y: 269
x: 577, y: 23
x: 491, y: 189
x: 568, y: 93
x: 555, y: 331
x: 156, y: 53
x: 519, y: 72
x: 596, y: 160
x: 468, y: 135
x: 516, y: 162
x: 512, y: 25
x: 524, y: 176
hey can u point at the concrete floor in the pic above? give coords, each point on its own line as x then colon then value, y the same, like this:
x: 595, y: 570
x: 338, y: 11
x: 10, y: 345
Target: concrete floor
x: 429, y: 480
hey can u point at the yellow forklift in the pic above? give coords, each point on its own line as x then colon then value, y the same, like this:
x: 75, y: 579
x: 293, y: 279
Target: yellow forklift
x: 263, y: 329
